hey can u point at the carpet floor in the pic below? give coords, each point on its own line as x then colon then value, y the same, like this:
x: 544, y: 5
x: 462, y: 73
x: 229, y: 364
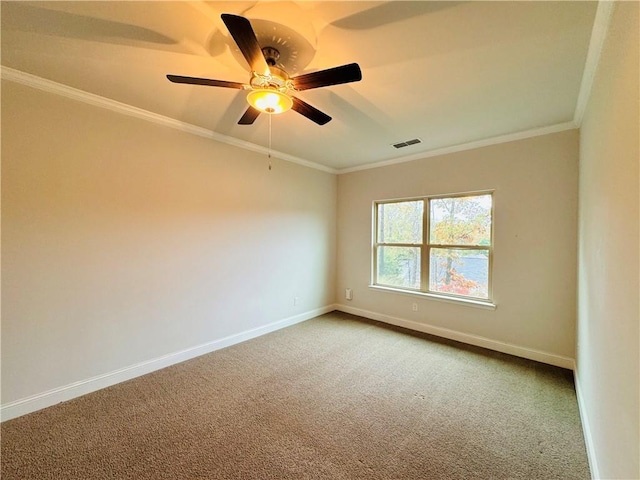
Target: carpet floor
x: 335, y: 397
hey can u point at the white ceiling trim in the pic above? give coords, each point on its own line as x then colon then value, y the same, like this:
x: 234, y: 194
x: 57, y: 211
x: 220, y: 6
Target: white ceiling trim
x: 536, y: 132
x: 598, y: 37
x: 50, y: 86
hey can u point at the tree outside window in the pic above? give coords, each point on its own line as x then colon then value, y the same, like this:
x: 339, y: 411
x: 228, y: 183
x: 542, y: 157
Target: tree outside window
x: 437, y: 245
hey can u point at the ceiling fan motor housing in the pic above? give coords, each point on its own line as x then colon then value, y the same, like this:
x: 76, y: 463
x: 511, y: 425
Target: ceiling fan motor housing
x: 270, y: 84
x: 271, y: 55
x: 277, y: 80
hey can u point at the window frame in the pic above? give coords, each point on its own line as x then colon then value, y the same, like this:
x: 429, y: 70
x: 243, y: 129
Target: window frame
x: 426, y: 246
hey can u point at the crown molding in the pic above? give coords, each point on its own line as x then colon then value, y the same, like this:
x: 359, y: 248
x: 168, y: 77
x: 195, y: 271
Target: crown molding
x: 598, y: 36
x: 536, y: 132
x: 56, y: 88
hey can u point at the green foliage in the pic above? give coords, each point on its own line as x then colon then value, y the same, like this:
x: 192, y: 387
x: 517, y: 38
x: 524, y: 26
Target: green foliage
x: 399, y: 266
x: 455, y: 221
x: 461, y: 221
x: 400, y: 222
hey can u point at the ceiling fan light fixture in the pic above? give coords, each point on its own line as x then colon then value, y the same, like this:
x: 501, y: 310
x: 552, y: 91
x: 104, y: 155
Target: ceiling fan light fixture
x: 269, y: 83
x: 269, y: 101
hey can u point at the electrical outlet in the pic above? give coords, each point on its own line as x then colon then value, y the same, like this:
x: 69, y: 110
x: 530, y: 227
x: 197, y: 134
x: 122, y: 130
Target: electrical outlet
x: 348, y: 294
x: 295, y: 301
x: 414, y: 307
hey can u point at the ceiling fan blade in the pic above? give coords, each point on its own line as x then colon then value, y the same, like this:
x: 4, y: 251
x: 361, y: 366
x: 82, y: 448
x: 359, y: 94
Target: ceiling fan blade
x: 332, y: 76
x: 312, y: 113
x: 244, y: 36
x: 204, y: 81
x: 249, y: 116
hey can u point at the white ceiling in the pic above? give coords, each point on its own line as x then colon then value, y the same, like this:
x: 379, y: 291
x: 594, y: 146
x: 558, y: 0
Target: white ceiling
x: 449, y: 73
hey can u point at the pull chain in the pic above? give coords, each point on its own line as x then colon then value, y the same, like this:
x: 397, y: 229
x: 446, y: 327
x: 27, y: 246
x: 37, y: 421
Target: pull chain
x: 269, y: 151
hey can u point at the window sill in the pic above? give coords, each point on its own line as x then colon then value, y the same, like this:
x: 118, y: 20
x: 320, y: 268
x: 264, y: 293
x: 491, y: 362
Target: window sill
x: 443, y: 298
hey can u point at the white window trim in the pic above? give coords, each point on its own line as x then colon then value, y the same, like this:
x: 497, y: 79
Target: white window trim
x: 468, y: 301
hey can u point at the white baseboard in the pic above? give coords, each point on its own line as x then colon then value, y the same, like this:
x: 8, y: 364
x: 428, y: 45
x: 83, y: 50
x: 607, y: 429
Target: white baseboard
x: 518, y: 351
x: 586, y: 430
x: 67, y: 392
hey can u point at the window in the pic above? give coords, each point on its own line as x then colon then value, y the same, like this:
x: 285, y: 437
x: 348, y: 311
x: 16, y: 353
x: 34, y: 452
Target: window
x: 437, y: 245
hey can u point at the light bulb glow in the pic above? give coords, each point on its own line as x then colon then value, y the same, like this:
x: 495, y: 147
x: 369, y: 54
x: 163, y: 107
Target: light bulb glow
x: 269, y: 101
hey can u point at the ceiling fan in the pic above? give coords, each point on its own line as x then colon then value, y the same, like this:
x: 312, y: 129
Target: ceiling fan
x: 270, y: 85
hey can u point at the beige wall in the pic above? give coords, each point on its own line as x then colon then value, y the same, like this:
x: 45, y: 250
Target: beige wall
x: 124, y: 241
x: 608, y: 307
x: 535, y: 182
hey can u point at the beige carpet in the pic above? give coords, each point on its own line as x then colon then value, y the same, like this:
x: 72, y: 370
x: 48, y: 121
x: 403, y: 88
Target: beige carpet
x: 336, y: 397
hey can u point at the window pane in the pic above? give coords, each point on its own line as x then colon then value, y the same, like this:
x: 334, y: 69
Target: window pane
x: 460, y: 220
x: 399, y: 267
x: 400, y: 222
x: 459, y: 271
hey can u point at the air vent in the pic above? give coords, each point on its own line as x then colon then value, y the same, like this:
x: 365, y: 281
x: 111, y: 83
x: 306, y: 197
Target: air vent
x: 407, y: 143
